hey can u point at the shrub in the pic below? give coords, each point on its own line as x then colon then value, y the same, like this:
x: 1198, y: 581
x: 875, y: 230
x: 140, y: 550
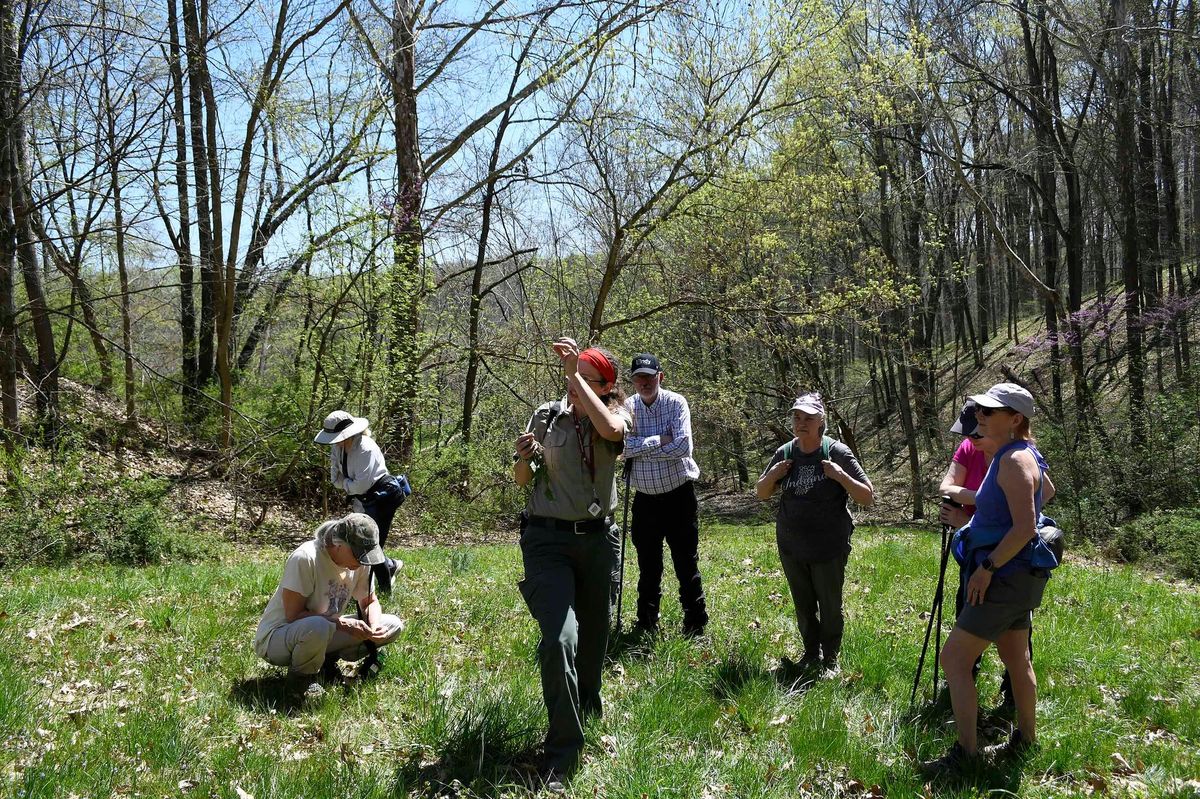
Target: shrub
x: 70, y: 511
x: 1168, y: 540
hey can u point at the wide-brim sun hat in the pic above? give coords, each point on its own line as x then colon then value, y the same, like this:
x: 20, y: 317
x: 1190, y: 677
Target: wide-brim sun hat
x: 1006, y: 395
x: 338, y: 426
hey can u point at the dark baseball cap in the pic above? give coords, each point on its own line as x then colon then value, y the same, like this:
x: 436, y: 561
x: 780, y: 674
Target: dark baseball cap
x: 645, y: 364
x: 966, y: 423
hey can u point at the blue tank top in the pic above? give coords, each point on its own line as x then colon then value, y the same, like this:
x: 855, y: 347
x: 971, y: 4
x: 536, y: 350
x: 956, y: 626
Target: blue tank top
x: 992, y: 519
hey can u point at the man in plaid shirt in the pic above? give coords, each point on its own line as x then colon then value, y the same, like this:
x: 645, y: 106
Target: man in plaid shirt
x: 659, y: 451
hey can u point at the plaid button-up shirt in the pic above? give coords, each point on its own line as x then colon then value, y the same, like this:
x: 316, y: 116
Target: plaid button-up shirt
x: 659, y: 468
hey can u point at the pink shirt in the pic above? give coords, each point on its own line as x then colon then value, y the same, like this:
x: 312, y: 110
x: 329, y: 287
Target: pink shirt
x: 975, y: 462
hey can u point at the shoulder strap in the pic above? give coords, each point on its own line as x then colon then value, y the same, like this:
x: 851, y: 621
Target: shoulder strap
x: 826, y: 446
x: 787, y: 450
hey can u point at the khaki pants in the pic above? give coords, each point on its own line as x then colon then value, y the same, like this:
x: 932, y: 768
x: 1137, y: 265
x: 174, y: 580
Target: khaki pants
x: 303, y: 645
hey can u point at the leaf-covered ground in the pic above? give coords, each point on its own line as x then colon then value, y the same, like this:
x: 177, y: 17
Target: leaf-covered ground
x: 143, y: 682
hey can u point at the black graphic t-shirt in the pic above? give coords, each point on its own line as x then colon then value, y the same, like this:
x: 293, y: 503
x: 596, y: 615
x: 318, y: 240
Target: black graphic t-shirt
x: 813, y: 522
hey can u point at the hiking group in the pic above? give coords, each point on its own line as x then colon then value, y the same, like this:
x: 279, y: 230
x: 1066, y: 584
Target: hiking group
x: 570, y: 457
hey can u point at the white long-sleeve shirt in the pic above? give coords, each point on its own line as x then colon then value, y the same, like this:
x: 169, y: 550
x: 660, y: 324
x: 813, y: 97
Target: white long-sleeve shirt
x: 364, y: 465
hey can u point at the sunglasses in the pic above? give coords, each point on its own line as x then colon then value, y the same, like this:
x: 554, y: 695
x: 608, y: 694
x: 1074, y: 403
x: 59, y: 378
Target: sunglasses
x: 989, y: 411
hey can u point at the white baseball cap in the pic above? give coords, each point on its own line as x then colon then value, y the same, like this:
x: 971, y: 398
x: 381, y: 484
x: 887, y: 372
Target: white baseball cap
x: 1006, y: 395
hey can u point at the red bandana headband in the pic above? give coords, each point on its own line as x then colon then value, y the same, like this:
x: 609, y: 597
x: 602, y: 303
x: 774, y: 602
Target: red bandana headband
x: 597, y: 359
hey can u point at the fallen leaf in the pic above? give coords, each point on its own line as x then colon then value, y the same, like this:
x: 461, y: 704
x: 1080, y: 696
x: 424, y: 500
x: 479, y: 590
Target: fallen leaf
x: 1120, y: 764
x: 779, y: 721
x: 76, y: 621
x: 749, y: 562
x: 187, y: 785
x: 242, y: 794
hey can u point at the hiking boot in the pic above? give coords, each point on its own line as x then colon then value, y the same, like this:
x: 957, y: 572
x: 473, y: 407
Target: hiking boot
x: 1016, y: 747
x: 953, y: 763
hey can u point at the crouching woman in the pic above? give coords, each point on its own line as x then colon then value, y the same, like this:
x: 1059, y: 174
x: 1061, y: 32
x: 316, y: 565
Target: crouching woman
x: 303, y: 627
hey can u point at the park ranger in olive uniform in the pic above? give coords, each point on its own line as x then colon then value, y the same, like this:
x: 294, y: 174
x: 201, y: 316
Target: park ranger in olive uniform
x: 569, y: 543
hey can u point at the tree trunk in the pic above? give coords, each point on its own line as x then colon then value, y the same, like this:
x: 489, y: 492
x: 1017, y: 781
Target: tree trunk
x: 407, y: 238
x: 192, y: 409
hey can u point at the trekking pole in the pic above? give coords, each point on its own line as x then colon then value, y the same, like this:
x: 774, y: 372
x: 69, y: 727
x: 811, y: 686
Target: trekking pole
x: 624, y: 529
x: 941, y: 603
x: 935, y: 617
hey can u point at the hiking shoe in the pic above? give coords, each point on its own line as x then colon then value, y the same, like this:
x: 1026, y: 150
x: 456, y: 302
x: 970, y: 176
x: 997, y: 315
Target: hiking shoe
x: 331, y: 672
x: 308, y: 687
x: 693, y: 630
x: 554, y: 782
x: 1016, y: 747
x: 383, y: 577
x: 951, y: 764
x: 645, y: 630
x: 371, y: 664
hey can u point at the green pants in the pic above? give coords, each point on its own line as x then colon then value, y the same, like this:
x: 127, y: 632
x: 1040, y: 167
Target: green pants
x: 567, y: 587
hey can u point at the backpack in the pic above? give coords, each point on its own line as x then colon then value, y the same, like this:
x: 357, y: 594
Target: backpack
x: 826, y: 446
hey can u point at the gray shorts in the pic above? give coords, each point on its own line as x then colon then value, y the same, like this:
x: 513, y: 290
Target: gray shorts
x: 1008, y: 605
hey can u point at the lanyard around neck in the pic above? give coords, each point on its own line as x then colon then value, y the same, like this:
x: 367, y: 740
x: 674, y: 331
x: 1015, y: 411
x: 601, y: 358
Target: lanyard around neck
x: 587, y: 453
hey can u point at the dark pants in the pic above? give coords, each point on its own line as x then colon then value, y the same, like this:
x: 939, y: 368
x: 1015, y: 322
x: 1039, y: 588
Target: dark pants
x: 817, y: 595
x: 381, y: 504
x: 566, y: 586
x: 669, y: 517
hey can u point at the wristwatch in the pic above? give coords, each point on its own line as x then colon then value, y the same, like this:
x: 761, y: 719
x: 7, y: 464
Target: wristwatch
x: 988, y: 565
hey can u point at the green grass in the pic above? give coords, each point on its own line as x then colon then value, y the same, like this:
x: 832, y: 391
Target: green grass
x: 126, y: 681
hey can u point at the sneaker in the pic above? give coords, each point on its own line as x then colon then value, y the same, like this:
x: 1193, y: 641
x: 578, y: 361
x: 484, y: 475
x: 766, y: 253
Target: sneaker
x: 830, y: 668
x: 954, y: 762
x: 693, y: 630
x: 1017, y: 746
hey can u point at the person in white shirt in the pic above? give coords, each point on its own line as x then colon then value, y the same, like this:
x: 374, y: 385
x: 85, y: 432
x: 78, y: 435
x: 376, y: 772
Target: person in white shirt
x: 659, y: 453
x: 356, y: 466
x: 303, y: 626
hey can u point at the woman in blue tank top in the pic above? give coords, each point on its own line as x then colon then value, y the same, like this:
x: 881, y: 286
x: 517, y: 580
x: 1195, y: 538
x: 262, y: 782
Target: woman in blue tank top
x: 1003, y: 588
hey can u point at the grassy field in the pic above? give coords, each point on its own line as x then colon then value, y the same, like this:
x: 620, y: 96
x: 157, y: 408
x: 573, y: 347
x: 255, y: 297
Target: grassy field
x: 142, y: 682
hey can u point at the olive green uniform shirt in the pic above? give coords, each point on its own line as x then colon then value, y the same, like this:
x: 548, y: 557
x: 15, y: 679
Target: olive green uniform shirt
x: 562, y: 482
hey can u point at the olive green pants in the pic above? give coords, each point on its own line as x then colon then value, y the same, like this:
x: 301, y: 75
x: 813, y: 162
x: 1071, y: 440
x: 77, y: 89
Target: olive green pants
x: 568, y: 578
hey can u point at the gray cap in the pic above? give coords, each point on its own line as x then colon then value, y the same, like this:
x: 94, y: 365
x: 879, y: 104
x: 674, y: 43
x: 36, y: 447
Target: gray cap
x: 1006, y: 395
x: 809, y: 402
x: 361, y: 534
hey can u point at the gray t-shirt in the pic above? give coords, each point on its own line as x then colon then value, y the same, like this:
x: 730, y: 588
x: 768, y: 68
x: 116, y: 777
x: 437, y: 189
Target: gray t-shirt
x: 563, y: 484
x: 813, y: 523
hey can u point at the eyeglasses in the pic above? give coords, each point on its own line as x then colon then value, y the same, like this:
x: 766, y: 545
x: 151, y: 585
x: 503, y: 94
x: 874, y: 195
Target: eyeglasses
x: 989, y: 411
